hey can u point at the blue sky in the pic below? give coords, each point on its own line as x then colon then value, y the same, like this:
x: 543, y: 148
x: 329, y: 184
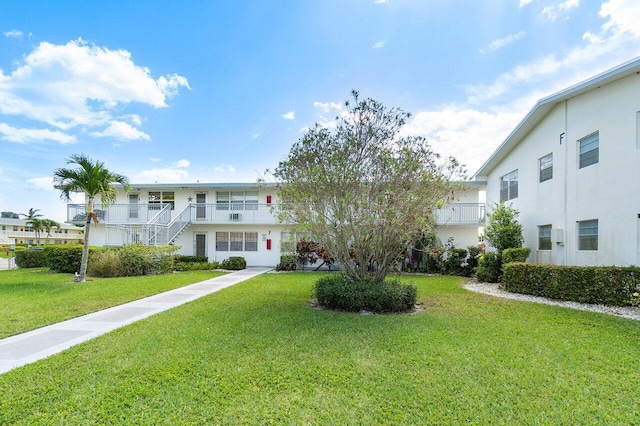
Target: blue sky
x: 218, y: 91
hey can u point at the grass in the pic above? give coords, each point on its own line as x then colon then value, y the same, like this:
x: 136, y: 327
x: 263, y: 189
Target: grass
x: 256, y: 353
x: 32, y: 298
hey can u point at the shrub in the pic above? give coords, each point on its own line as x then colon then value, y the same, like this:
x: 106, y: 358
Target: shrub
x: 489, y: 268
x: 30, y: 258
x: 64, y: 259
x: 234, y: 263
x: 288, y: 262
x: 341, y: 293
x: 503, y: 230
x: 195, y: 266
x: 104, y: 263
x: 183, y: 258
x: 607, y: 285
x: 456, y: 261
x: 515, y: 255
x: 474, y: 255
x: 136, y: 260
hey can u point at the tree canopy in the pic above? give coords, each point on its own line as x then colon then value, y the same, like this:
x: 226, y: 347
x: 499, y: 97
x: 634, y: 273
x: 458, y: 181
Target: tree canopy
x: 363, y: 189
x: 503, y: 230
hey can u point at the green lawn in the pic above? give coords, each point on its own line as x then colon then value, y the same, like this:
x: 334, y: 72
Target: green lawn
x: 257, y: 353
x: 32, y: 298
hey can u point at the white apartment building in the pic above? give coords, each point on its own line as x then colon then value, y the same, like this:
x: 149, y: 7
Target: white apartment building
x: 18, y: 231
x: 570, y: 168
x: 220, y: 220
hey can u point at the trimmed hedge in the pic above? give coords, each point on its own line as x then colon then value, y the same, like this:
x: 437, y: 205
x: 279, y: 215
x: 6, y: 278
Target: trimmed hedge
x: 489, y: 267
x: 195, y: 266
x: 183, y: 258
x: 29, y: 258
x: 64, y: 259
x: 341, y: 293
x: 605, y: 285
x: 288, y: 262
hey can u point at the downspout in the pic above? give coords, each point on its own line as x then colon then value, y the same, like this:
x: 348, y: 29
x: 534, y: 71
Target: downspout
x: 564, y: 183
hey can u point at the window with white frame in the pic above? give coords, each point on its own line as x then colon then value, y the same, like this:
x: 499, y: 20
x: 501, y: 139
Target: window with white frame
x: 509, y: 186
x: 157, y: 198
x: 589, y: 150
x: 546, y: 167
x: 237, y: 200
x: 544, y: 237
x: 236, y: 241
x: 588, y: 235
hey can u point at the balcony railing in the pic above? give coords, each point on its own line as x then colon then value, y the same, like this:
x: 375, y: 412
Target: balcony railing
x: 461, y: 214
x: 453, y: 214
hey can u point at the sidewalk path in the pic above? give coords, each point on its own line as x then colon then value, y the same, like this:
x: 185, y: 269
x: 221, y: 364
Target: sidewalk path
x: 22, y: 349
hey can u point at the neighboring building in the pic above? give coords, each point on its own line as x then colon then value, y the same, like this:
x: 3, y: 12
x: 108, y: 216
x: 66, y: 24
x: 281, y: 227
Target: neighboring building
x: 219, y: 220
x: 570, y: 169
x: 18, y: 231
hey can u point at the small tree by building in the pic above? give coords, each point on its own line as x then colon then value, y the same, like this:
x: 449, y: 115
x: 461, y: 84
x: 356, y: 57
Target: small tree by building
x: 364, y: 189
x: 503, y: 230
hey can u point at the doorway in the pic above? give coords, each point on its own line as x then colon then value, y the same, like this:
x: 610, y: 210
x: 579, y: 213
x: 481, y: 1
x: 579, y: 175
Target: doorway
x: 201, y: 245
x: 201, y: 208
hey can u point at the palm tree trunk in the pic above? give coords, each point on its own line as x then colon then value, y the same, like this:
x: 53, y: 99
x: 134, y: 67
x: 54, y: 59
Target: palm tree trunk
x: 85, y: 247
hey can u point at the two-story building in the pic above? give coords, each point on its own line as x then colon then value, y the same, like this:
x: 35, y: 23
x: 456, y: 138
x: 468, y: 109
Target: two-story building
x: 220, y: 220
x: 18, y: 231
x: 570, y: 168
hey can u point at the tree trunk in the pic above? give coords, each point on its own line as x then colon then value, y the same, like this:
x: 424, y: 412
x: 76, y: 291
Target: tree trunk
x: 85, y: 247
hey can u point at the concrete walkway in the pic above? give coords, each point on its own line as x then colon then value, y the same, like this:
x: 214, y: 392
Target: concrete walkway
x: 22, y: 349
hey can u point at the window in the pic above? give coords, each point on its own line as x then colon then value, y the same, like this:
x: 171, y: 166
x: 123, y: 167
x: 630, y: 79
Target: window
x: 222, y: 241
x: 544, y: 237
x: 236, y: 241
x: 589, y: 151
x: 157, y: 198
x: 546, y: 167
x: 237, y: 200
x: 509, y: 186
x: 588, y: 235
x: 250, y: 241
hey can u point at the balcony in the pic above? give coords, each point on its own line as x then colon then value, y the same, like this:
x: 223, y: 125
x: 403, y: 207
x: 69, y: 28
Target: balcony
x: 461, y: 214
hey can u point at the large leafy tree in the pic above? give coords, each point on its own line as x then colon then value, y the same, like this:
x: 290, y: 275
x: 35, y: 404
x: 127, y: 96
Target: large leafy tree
x: 94, y: 179
x: 362, y: 189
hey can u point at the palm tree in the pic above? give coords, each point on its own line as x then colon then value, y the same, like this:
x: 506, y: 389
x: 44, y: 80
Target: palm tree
x: 37, y: 225
x: 47, y: 225
x: 92, y: 178
x: 31, y: 215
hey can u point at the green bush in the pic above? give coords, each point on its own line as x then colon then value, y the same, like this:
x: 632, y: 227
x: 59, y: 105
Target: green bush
x: 515, y: 255
x: 288, y: 262
x: 340, y: 293
x: 136, y: 260
x: 456, y: 261
x: 234, y: 263
x: 183, y: 258
x: 474, y: 256
x: 489, y: 268
x: 606, y: 285
x: 29, y: 258
x: 195, y: 266
x: 64, y: 259
x: 104, y: 263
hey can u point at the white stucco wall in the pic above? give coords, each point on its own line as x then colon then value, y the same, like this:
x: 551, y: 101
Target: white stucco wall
x: 603, y: 191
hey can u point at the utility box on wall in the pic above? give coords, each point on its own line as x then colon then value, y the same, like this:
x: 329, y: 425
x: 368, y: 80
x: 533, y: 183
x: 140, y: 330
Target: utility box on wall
x: 557, y: 236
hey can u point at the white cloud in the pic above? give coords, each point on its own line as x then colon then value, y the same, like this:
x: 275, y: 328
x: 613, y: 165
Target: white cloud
x: 501, y: 42
x: 291, y: 115
x: 468, y: 134
x: 224, y: 168
x: 121, y: 131
x: 378, y: 45
x: 80, y: 86
x: 181, y: 164
x: 327, y: 106
x: 154, y: 159
x: 525, y: 2
x: 552, y: 12
x: 623, y: 16
x: 13, y: 33
x: 381, y: 1
x: 45, y: 183
x: 25, y: 136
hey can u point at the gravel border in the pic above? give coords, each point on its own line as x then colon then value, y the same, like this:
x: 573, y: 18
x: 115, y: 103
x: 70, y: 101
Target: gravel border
x: 495, y: 290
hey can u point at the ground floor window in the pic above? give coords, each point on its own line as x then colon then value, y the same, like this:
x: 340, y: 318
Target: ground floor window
x: 544, y: 237
x: 236, y: 241
x: 588, y: 235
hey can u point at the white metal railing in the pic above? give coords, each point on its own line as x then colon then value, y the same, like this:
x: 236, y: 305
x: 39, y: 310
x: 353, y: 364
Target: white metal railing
x: 121, y: 213
x: 461, y: 214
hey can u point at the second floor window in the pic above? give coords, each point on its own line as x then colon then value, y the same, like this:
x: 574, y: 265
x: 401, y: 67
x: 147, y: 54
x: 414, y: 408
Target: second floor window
x: 589, y: 150
x: 509, y: 186
x: 546, y: 167
x: 157, y: 198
